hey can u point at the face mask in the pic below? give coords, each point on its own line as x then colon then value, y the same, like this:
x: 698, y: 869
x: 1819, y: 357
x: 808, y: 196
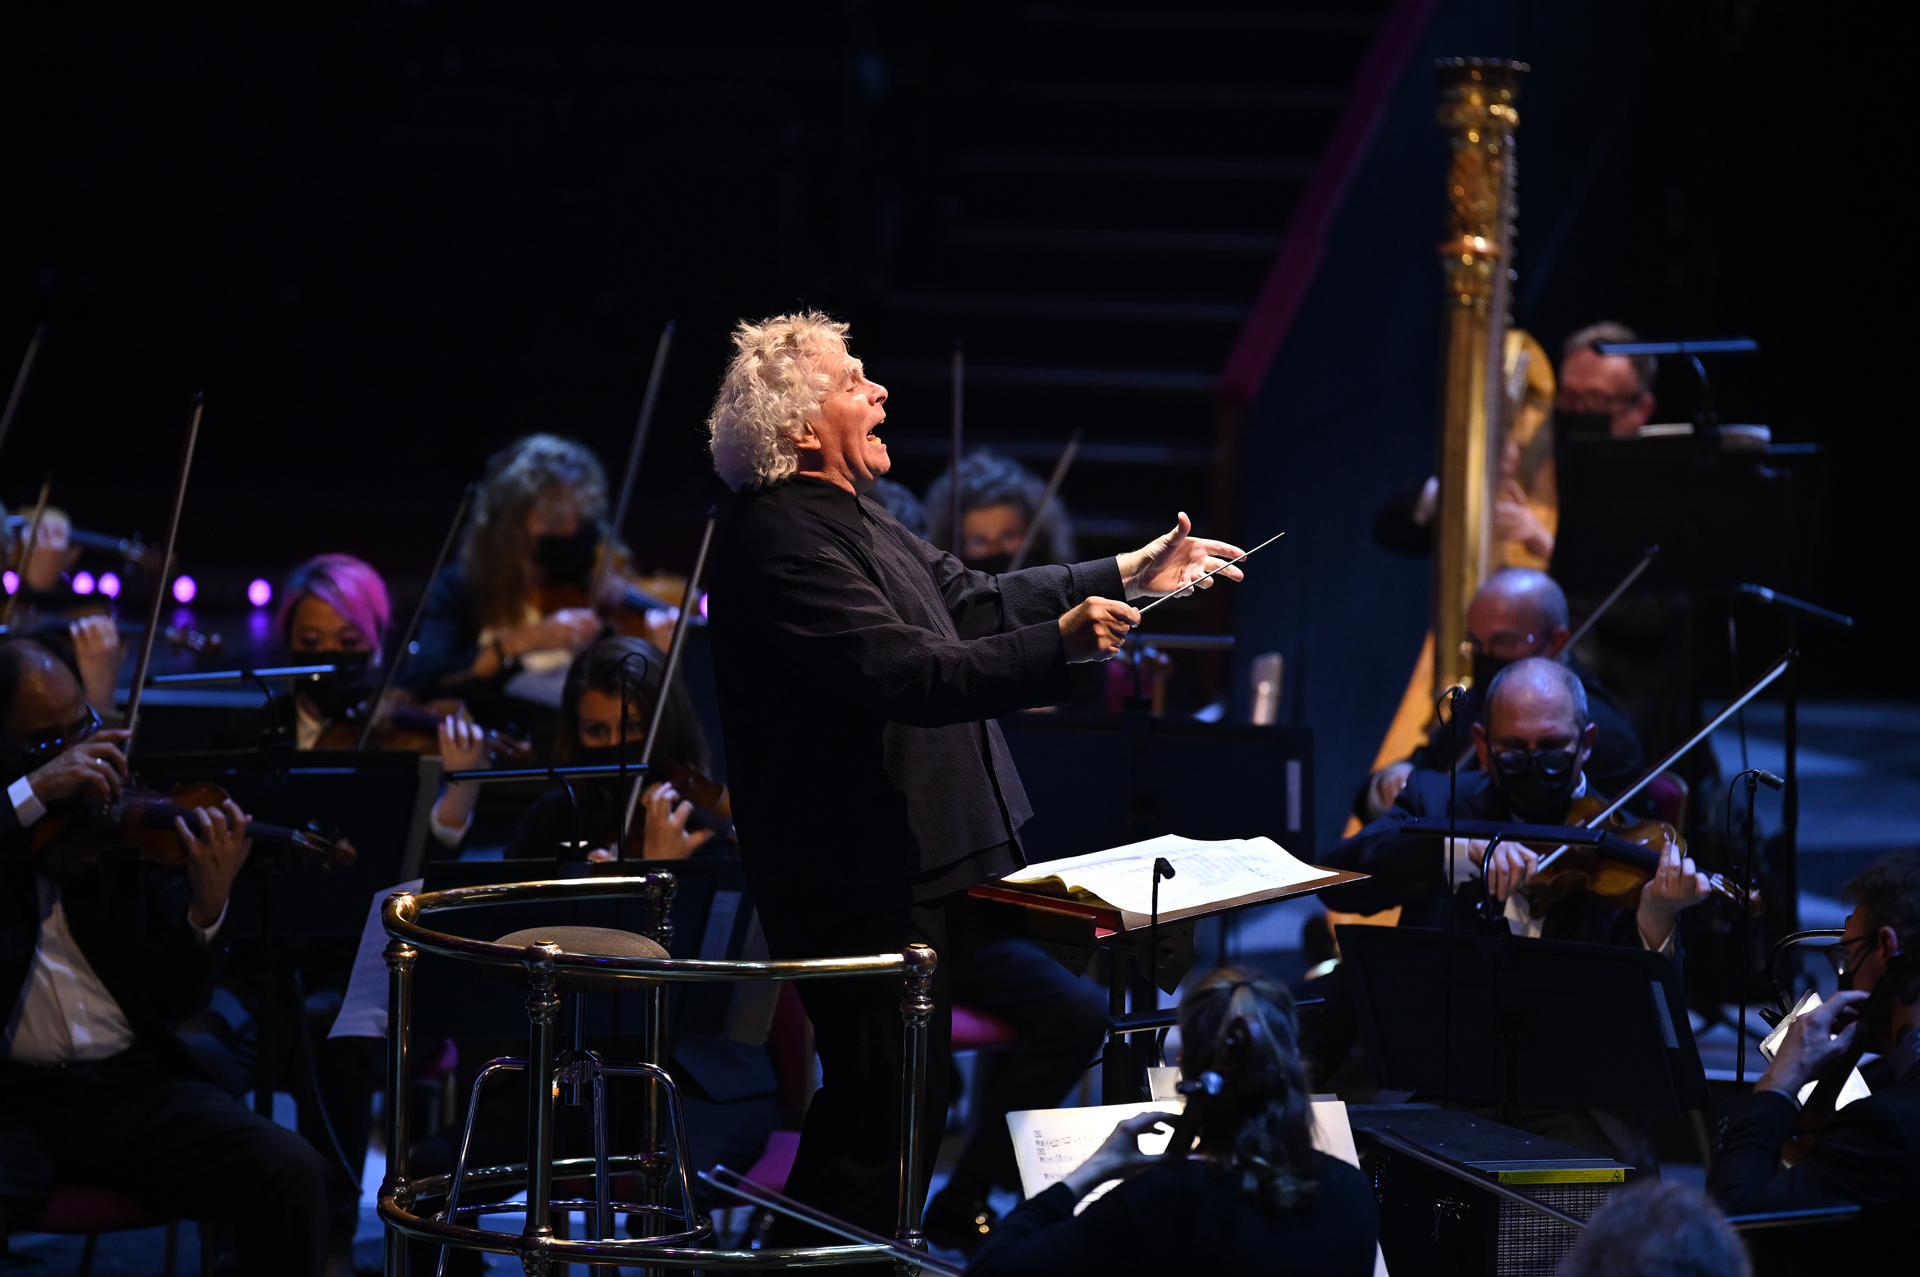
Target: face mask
x: 993, y: 564
x: 568, y: 558
x: 351, y: 682
x: 1484, y: 669
x: 604, y: 755
x: 1532, y: 796
x: 1572, y: 424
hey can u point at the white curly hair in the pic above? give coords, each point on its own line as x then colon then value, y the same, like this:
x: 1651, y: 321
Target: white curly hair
x: 782, y: 367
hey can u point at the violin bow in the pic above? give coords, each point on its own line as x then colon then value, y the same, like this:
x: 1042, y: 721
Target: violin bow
x: 1646, y: 778
x: 639, y: 445
x: 1058, y: 477
x: 26, y: 552
x: 1646, y: 561
x: 379, y: 710
x: 20, y: 382
x: 674, y: 648
x: 132, y: 721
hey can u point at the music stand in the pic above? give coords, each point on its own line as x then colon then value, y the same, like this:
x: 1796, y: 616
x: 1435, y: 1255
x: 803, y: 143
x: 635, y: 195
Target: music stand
x: 1548, y: 1023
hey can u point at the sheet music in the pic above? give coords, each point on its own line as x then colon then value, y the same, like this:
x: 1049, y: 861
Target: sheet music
x: 363, y: 1011
x: 1205, y: 872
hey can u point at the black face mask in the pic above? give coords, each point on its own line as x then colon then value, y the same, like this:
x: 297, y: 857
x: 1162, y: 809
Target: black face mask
x: 1484, y: 669
x: 1582, y: 424
x: 568, y: 558
x: 1532, y: 796
x: 352, y: 681
x: 993, y: 564
x: 604, y: 755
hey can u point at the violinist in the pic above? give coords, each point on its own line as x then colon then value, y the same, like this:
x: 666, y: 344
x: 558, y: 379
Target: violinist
x: 999, y: 499
x: 333, y: 611
x: 515, y: 602
x: 1533, y: 743
x: 1869, y: 1151
x: 1517, y: 613
x: 585, y: 824
x: 99, y: 955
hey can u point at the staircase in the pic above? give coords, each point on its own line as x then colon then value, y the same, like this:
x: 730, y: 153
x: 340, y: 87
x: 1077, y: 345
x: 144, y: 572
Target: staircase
x: 1088, y: 198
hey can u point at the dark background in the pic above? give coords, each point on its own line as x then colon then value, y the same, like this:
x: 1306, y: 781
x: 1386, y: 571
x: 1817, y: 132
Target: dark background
x: 386, y: 238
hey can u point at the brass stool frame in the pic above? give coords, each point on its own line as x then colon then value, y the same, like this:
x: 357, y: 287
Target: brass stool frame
x: 536, y: 1244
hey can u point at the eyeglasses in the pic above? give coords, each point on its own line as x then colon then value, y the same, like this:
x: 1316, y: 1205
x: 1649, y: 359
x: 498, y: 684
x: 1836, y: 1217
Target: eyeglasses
x: 1554, y: 763
x: 45, y: 744
x: 1840, y: 956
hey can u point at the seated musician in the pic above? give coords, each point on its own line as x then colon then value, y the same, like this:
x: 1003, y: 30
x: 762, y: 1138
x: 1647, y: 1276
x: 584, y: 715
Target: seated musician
x: 1255, y: 1196
x: 1533, y: 743
x: 999, y: 498
x: 1517, y: 613
x: 1869, y: 1151
x: 333, y: 610
x: 589, y: 734
x: 516, y: 599
x: 101, y: 954
x: 1604, y: 394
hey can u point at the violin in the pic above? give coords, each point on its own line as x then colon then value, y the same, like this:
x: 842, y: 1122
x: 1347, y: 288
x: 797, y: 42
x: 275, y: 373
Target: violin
x: 1613, y: 874
x: 409, y: 725
x: 143, y: 819
x: 1896, y: 981
x: 635, y: 604
x: 712, y: 806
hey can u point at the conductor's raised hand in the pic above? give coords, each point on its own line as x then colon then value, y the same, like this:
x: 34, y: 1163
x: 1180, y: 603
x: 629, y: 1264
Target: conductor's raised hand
x: 217, y: 846
x: 1171, y: 564
x: 95, y: 768
x: 1097, y: 630
x: 1120, y: 1156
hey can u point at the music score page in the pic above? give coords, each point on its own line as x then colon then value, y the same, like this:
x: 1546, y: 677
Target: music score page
x: 1206, y: 874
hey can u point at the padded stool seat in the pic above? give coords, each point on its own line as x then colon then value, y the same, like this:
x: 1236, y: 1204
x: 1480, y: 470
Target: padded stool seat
x: 597, y: 942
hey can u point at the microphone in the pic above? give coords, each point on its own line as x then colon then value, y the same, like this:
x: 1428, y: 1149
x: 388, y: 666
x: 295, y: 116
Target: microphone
x: 1787, y: 603
x: 1768, y: 779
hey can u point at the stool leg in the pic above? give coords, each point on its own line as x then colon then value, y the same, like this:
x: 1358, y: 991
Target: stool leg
x: 543, y: 1010
x: 466, y: 1140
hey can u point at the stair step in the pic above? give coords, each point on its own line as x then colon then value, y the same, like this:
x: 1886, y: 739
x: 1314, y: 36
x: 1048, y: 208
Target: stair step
x: 1115, y: 241
x: 1172, y: 312
x: 1127, y: 167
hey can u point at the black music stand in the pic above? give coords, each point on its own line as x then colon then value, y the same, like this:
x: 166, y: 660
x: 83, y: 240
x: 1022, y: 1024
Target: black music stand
x: 1547, y: 1023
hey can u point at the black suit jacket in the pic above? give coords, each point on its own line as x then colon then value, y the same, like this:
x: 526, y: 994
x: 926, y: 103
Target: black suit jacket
x: 859, y: 671
x: 1410, y: 870
x: 130, y: 920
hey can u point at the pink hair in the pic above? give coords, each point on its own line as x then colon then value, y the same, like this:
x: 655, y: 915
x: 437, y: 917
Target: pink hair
x: 346, y: 584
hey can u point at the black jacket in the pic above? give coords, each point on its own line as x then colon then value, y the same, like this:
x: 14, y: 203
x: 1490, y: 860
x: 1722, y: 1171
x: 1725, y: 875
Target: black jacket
x: 130, y: 920
x: 1410, y: 870
x: 859, y: 669
x: 1868, y: 1152
x: 1179, y: 1217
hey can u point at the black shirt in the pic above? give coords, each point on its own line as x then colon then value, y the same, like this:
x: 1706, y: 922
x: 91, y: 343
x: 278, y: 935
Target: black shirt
x: 859, y: 669
x: 1181, y: 1217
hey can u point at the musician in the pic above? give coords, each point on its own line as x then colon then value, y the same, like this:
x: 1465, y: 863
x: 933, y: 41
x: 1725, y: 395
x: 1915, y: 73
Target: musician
x: 612, y: 671
x: 999, y: 498
x: 100, y: 957
x: 1255, y: 1197
x: 333, y: 611
x: 1869, y: 1151
x: 898, y: 500
x: 859, y: 672
x: 537, y: 527
x: 1604, y: 393
x: 1518, y: 613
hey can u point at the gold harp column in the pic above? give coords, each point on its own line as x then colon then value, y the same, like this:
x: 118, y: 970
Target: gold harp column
x: 1477, y: 98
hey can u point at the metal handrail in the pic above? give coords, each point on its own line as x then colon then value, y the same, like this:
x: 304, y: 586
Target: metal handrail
x: 403, y: 910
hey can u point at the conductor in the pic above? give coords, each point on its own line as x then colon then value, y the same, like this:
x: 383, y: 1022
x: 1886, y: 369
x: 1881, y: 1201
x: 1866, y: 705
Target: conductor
x: 859, y: 670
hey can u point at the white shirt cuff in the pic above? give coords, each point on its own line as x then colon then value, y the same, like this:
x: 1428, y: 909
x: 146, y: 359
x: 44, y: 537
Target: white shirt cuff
x: 26, y: 804
x: 206, y: 934
x: 449, y: 835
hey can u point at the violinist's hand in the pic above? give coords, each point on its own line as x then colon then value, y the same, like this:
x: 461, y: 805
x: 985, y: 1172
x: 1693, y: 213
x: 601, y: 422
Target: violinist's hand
x: 217, y: 846
x: 1172, y: 563
x: 1096, y: 630
x: 1386, y: 786
x: 1514, y: 520
x: 96, y: 649
x: 1677, y: 885
x: 463, y: 745
x: 95, y: 768
x: 1120, y: 1156
x: 667, y: 815
x: 1509, y: 868
x: 1812, y: 1042
x: 600, y: 856
x: 574, y: 628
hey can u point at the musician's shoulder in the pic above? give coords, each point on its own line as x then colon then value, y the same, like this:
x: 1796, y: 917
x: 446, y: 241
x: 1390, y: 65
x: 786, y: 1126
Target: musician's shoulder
x: 1428, y: 791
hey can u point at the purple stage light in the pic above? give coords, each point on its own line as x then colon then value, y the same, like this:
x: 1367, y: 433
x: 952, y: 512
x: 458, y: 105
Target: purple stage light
x: 11, y: 580
x: 184, y: 589
x: 109, y: 585
x: 83, y: 583
x: 260, y: 592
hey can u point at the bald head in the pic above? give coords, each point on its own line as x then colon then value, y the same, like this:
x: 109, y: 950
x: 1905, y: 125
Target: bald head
x: 1519, y: 612
x: 1535, y: 706
x: 37, y: 689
